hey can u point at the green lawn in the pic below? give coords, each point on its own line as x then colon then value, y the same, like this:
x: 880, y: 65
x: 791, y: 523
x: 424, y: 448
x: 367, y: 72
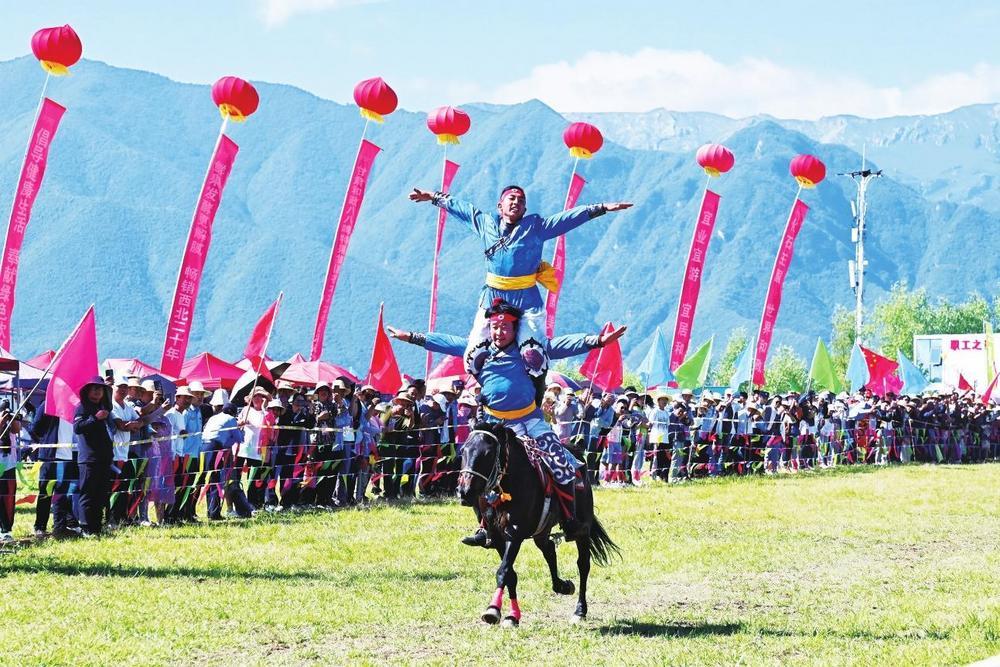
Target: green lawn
x: 892, y: 566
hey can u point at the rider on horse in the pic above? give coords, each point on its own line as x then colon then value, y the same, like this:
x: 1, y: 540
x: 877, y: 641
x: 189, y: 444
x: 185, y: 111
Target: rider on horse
x: 508, y: 393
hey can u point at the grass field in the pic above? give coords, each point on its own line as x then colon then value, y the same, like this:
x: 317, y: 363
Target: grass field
x: 891, y: 566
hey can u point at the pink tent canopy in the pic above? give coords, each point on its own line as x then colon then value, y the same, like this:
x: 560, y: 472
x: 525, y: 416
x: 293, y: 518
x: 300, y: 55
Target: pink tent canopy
x: 311, y: 372
x: 135, y: 367
x: 211, y: 371
x: 296, y: 359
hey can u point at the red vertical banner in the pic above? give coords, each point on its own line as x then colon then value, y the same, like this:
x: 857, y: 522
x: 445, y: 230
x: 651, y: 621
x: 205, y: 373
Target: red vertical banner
x: 345, y: 228
x: 691, y: 286
x: 193, y: 263
x: 773, y: 301
x: 35, y: 160
x: 559, y: 256
x: 447, y: 176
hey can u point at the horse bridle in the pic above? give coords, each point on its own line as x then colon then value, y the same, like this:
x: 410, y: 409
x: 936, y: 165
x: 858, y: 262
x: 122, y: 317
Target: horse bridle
x: 496, y: 472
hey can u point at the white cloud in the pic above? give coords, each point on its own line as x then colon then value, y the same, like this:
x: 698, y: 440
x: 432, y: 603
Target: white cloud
x: 695, y: 81
x: 276, y: 12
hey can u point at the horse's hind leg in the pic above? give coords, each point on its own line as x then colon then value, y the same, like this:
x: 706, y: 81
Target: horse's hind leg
x: 548, y: 549
x: 583, y: 565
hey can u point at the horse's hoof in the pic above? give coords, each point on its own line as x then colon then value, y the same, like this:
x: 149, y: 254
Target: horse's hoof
x: 565, y: 587
x: 576, y: 619
x: 510, y: 622
x: 491, y: 615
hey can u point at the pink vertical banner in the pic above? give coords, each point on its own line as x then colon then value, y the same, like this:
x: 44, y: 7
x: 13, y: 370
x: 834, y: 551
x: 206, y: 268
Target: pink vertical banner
x: 773, y: 301
x: 35, y: 160
x: 576, y: 184
x: 691, y: 286
x: 345, y: 228
x: 447, y: 176
x: 193, y: 263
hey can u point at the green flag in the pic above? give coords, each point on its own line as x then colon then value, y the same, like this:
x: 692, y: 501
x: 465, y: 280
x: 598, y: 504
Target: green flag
x: 694, y: 371
x: 821, y: 373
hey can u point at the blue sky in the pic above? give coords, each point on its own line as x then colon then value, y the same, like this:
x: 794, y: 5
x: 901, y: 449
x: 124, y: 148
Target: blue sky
x: 791, y: 59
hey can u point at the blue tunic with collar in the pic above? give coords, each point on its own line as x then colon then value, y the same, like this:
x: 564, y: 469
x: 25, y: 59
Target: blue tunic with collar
x: 519, y: 251
x: 504, y: 380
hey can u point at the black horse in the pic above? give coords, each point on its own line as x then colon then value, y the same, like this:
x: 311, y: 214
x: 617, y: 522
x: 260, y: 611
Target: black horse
x: 496, y: 466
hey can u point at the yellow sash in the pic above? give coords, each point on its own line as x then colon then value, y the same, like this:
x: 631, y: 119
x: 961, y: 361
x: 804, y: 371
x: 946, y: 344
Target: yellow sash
x: 546, y: 275
x: 511, y: 414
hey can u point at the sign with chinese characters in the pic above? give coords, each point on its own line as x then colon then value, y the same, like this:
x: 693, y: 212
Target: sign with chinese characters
x: 32, y: 171
x: 345, y: 228
x: 774, y: 288
x: 692, y: 278
x: 193, y: 262
x: 450, y: 169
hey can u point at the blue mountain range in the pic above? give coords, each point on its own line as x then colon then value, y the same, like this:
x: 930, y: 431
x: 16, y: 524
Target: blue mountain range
x: 127, y: 164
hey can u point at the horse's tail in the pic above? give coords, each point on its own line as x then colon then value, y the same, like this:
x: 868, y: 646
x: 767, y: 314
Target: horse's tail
x: 601, y: 546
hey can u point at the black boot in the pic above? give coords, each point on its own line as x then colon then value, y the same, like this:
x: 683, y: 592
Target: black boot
x: 478, y: 539
x: 571, y: 527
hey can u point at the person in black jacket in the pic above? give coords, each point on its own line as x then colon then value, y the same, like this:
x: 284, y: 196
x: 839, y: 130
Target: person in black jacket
x: 91, y: 422
x: 57, y: 475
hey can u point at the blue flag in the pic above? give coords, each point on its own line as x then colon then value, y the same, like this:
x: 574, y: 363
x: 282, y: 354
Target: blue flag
x: 744, y: 367
x: 858, y: 374
x: 655, y: 367
x: 913, y: 379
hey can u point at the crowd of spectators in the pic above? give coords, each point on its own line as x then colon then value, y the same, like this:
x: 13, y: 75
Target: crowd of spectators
x: 133, y: 456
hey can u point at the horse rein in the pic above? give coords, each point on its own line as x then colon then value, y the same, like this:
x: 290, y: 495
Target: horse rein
x: 496, y: 473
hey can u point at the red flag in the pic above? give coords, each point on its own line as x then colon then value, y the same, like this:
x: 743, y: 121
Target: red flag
x: 74, y: 365
x: 383, y: 373
x: 604, y: 364
x: 963, y: 384
x: 261, y: 336
x: 989, y: 390
x: 882, y: 376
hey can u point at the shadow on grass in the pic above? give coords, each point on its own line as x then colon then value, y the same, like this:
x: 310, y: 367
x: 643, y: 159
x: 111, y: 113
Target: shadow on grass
x: 219, y: 573
x: 643, y: 629
x: 633, y: 627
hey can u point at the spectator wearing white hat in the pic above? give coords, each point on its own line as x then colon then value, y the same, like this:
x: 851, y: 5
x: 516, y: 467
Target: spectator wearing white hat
x: 125, y: 425
x: 659, y: 422
x: 177, y: 416
x: 251, y: 420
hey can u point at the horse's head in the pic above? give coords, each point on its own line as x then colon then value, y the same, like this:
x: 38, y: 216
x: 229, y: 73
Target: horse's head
x: 480, y: 458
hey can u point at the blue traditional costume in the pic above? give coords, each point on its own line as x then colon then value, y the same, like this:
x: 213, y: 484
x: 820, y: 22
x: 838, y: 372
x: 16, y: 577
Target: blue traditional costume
x: 507, y: 392
x: 514, y: 267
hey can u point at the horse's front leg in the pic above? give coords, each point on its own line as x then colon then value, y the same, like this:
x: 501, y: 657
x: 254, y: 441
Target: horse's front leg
x: 506, y: 578
x: 548, y: 549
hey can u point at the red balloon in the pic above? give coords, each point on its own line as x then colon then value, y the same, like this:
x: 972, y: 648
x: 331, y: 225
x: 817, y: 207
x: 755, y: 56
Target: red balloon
x: 807, y: 170
x: 235, y: 97
x: 583, y: 140
x: 448, y: 123
x: 375, y: 98
x: 715, y: 159
x: 58, y: 49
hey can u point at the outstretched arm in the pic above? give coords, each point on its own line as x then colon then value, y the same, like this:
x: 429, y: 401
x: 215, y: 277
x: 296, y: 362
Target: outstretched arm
x: 564, y: 221
x: 435, y: 342
x: 460, y: 210
x: 571, y: 345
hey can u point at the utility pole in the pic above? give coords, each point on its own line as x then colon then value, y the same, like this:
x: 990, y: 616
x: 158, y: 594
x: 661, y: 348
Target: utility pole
x: 856, y: 266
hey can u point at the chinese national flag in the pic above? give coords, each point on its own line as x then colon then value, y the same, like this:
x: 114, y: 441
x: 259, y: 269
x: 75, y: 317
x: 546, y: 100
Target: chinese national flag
x: 882, y: 373
x: 604, y: 364
x: 963, y: 384
x: 383, y: 373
